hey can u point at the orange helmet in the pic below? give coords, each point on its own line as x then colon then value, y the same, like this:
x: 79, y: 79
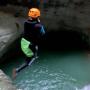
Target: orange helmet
x: 34, y: 13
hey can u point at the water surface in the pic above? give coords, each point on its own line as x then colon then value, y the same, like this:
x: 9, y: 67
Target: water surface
x: 52, y: 71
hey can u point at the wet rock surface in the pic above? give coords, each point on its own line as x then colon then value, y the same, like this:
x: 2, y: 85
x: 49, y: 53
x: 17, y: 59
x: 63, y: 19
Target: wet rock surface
x: 9, y: 31
x: 5, y: 82
x: 56, y: 14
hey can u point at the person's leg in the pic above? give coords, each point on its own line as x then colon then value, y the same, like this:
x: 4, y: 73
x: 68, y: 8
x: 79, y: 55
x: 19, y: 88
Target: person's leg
x: 17, y: 70
x: 21, y: 67
x: 34, y: 49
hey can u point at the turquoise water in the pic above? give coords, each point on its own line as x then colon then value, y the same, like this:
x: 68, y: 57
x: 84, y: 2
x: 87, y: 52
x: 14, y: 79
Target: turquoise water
x: 52, y: 71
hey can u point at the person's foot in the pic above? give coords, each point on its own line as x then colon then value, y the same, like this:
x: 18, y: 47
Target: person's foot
x: 36, y: 57
x: 14, y: 73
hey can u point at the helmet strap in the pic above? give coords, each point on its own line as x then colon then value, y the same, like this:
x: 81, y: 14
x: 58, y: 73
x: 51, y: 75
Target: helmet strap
x: 30, y: 18
x: 38, y: 19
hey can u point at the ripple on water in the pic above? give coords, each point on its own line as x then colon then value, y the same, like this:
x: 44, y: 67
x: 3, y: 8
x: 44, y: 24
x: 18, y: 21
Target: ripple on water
x: 45, y: 80
x: 58, y: 73
x: 50, y: 76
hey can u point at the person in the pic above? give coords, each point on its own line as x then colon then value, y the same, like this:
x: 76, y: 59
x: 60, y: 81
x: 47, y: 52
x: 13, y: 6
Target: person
x: 33, y: 33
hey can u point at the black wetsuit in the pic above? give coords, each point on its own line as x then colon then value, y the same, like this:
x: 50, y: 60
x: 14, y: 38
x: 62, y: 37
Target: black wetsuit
x: 33, y: 32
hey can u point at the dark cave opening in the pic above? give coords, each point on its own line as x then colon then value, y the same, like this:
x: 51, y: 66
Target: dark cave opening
x: 66, y: 40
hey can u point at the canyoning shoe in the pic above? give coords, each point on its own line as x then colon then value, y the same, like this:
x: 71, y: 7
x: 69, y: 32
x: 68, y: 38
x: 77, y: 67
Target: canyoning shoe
x: 14, y: 73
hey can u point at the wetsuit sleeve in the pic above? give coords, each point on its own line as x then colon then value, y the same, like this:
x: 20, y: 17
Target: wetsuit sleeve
x: 26, y: 29
x: 23, y: 33
x: 42, y: 30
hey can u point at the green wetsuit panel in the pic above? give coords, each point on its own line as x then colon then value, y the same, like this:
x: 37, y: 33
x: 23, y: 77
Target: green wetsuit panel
x: 25, y: 47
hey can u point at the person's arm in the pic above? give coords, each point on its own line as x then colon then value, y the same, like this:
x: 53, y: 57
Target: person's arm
x: 25, y: 32
x: 42, y: 30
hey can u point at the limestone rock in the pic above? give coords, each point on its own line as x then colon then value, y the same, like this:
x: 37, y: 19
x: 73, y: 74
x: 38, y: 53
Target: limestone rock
x: 5, y: 82
x: 8, y: 31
